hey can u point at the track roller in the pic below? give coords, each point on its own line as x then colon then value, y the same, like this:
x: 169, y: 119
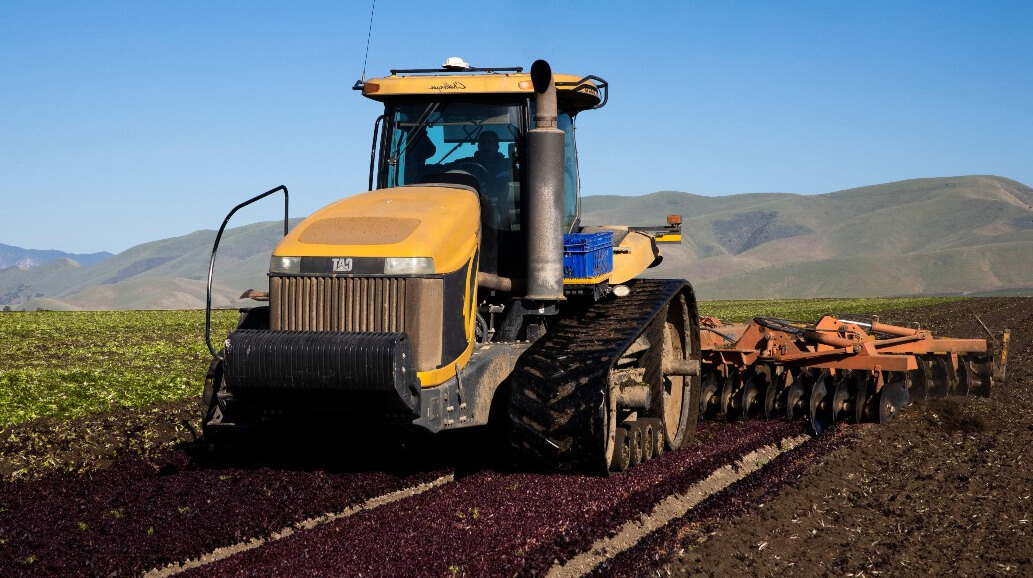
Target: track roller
x: 635, y: 439
x: 648, y: 438
x: 621, y: 451
x: 657, y: 440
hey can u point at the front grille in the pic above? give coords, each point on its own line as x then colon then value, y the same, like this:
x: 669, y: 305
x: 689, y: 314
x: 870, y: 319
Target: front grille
x: 337, y: 303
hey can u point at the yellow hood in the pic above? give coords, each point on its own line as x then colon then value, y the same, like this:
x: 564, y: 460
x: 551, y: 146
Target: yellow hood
x: 414, y: 221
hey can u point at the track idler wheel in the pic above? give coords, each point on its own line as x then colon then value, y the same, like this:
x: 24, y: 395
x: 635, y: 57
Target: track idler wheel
x: 892, y: 399
x: 820, y: 405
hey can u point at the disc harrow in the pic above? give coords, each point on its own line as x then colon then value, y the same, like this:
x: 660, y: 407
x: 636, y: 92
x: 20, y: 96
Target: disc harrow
x: 837, y: 370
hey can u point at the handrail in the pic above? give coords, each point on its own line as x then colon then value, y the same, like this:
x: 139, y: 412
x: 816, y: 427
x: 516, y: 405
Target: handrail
x: 601, y: 86
x: 215, y: 249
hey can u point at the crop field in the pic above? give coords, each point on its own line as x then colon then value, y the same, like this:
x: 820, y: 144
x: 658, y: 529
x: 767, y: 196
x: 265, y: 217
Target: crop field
x: 100, y: 475
x: 69, y: 364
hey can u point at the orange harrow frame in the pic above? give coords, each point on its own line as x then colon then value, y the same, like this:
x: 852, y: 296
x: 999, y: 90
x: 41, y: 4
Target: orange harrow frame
x: 837, y: 369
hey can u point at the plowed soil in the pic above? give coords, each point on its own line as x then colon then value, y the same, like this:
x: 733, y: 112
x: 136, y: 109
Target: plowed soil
x: 945, y: 489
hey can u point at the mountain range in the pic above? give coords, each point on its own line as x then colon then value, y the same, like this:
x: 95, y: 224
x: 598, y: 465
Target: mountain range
x: 11, y: 256
x: 953, y: 235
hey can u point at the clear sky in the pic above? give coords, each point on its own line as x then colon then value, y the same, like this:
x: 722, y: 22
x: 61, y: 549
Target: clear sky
x: 126, y: 122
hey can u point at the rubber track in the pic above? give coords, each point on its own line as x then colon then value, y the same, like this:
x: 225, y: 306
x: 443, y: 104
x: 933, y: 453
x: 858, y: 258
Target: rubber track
x: 558, y: 389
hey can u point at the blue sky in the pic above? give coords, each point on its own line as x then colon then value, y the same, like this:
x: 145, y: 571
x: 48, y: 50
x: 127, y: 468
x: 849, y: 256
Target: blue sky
x: 125, y: 122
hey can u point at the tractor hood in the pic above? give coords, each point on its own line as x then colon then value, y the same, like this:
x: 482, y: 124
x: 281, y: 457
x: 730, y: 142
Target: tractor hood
x: 425, y: 221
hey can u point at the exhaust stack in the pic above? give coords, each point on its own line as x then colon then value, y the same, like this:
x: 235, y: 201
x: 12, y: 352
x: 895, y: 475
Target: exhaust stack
x: 545, y: 144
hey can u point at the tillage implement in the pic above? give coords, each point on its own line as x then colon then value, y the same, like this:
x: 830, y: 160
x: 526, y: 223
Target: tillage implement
x: 462, y: 286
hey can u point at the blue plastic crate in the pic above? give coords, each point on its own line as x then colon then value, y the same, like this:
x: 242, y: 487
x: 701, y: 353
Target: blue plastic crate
x: 587, y: 255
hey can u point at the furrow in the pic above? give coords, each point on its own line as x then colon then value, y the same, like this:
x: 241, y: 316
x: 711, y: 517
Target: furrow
x: 671, y: 508
x: 227, y: 551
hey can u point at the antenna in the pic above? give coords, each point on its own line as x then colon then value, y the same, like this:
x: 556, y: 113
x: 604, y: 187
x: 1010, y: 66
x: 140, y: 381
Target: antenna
x: 369, y: 33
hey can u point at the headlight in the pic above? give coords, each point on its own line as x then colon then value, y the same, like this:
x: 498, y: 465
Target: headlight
x: 408, y: 265
x: 285, y: 265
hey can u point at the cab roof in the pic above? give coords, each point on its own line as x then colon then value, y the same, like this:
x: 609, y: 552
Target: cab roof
x: 579, y: 93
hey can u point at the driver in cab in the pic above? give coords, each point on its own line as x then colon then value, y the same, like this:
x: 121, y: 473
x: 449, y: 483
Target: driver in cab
x: 490, y: 158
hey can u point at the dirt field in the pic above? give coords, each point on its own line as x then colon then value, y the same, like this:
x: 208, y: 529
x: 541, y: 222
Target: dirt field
x: 945, y: 489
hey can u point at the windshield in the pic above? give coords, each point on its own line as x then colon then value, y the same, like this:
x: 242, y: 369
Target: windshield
x: 466, y: 143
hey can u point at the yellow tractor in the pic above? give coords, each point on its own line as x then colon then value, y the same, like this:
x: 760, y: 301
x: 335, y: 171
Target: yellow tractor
x: 462, y: 280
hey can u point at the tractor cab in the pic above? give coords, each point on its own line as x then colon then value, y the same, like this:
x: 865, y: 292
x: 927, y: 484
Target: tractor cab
x: 467, y: 127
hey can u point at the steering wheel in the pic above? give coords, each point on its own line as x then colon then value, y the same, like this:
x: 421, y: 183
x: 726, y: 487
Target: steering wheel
x: 479, y: 172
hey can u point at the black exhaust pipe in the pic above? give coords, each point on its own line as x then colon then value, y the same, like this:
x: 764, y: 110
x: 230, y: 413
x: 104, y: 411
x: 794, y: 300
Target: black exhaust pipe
x: 545, y: 191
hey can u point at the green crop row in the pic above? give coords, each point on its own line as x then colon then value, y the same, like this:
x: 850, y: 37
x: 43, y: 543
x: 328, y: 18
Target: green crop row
x: 69, y: 364
x: 810, y: 309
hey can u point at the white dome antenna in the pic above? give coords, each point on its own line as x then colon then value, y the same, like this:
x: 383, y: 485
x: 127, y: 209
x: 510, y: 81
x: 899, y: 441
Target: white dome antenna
x: 455, y: 63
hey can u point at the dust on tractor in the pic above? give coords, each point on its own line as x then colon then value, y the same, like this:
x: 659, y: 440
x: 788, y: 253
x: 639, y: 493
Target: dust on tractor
x: 462, y: 288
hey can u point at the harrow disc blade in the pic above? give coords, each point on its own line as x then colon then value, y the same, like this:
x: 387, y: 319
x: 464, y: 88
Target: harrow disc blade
x: 982, y: 379
x: 844, y: 398
x: 752, y: 403
x: 892, y: 398
x: 863, y: 400
x: 967, y: 379
x: 777, y: 393
x: 731, y: 398
x: 940, y: 379
x: 820, y: 407
x: 920, y: 381
x: 709, y: 401
x: 796, y: 400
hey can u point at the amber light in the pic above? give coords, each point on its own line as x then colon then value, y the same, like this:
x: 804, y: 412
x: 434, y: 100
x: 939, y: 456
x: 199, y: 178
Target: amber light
x: 370, y: 87
x: 524, y: 85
